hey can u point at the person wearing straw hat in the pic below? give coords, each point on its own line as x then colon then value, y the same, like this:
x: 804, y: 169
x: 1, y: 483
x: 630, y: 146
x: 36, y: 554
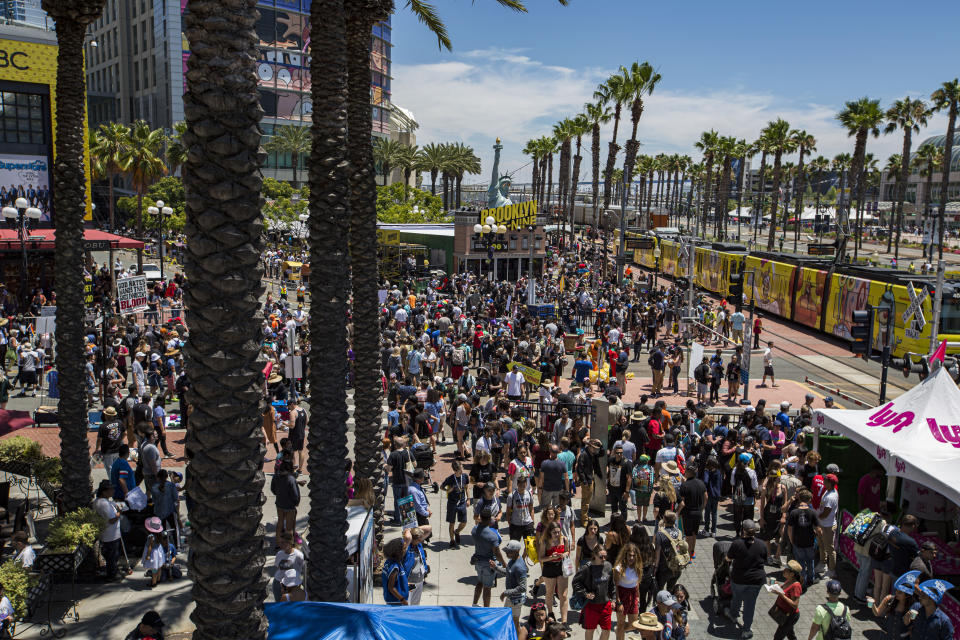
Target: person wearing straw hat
x: 648, y: 625
x: 109, y: 438
x: 110, y: 543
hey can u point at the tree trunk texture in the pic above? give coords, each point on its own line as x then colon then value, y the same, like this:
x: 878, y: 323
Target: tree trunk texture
x: 706, y: 189
x: 774, y: 200
x: 69, y: 191
x: 330, y: 180
x: 799, y: 206
x: 612, y: 149
x: 368, y: 400
x: 902, y: 186
x: 945, y: 177
x: 595, y: 165
x: 222, y: 181
x: 577, y: 159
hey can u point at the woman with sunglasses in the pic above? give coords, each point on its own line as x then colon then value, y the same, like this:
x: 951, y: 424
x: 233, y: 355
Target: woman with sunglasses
x: 553, y: 549
x: 536, y: 625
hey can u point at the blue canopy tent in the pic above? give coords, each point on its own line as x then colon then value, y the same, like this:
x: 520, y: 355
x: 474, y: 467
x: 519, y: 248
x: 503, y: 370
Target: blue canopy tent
x: 329, y: 621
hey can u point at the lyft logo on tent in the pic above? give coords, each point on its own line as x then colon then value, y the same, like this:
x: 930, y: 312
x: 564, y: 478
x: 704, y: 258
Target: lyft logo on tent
x: 947, y: 434
x: 887, y: 417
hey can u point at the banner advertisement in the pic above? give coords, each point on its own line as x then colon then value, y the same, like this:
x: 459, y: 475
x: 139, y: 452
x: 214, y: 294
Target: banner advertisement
x: 132, y: 294
x: 513, y: 216
x: 26, y: 177
x: 530, y: 374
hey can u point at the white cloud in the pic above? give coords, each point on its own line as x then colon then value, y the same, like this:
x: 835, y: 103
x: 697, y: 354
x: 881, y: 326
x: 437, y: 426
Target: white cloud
x: 482, y: 94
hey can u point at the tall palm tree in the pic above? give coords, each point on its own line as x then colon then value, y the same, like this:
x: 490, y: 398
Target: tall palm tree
x: 930, y: 158
x: 841, y: 166
x: 639, y: 80
x: 531, y: 149
x: 612, y: 92
x: 108, y: 146
x: 908, y: 115
x: 69, y: 192
x: 330, y: 569
x: 143, y: 164
x: 386, y: 155
x: 818, y: 167
x: 407, y: 162
x: 222, y: 182
x: 743, y: 151
x: 598, y: 113
x: 805, y: 143
x: 580, y: 126
x: 861, y: 118
x: 462, y: 160
x: 176, y: 154
x: 946, y: 98
x: 780, y: 141
x: 707, y: 144
x: 550, y: 147
x: 726, y: 150
x: 293, y: 139
x: 562, y: 133
x: 431, y: 158
x: 762, y: 146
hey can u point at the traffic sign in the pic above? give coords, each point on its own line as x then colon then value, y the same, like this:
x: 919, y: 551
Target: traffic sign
x: 915, y: 302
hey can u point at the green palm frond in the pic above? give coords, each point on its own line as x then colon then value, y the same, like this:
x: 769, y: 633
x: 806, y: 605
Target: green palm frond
x: 426, y: 13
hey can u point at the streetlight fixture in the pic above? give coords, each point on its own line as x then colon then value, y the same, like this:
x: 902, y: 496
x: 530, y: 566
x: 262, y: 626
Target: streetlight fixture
x: 161, y: 211
x: 485, y: 235
x: 23, y: 215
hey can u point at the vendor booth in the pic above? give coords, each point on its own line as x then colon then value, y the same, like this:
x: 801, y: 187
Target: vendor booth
x: 330, y: 621
x: 913, y: 436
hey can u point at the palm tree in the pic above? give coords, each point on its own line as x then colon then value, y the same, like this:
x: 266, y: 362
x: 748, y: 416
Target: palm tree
x: 143, y: 165
x: 293, y: 139
x: 176, y: 151
x: 531, y: 149
x: 327, y: 571
x: 780, y: 141
x: 431, y: 158
x: 726, y: 149
x: 386, y: 155
x: 805, y: 144
x: 406, y: 160
x: 462, y: 160
x: 909, y: 115
x: 762, y: 146
x: 861, y: 118
x: 841, y: 166
x: 639, y: 80
x: 818, y: 167
x: 597, y: 113
x: 612, y: 92
x: 222, y: 182
x: 930, y: 158
x: 946, y: 98
x: 550, y: 147
x: 108, y: 146
x: 743, y: 151
x: 562, y: 133
x: 580, y: 126
x: 69, y: 192
x: 707, y: 144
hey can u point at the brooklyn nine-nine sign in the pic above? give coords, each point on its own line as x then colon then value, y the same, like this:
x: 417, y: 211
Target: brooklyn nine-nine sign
x: 513, y: 216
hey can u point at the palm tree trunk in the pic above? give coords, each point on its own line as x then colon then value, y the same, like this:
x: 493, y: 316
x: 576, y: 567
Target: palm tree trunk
x: 763, y: 189
x: 361, y: 16
x: 577, y: 159
x: 550, y: 181
x: 69, y: 195
x: 433, y: 182
x: 927, y: 199
x: 595, y: 164
x: 613, y: 149
x: 139, y: 228
x: 222, y: 183
x: 706, y: 189
x: 774, y: 200
x: 330, y: 189
x: 533, y: 180
x: 293, y: 159
x: 649, y: 196
x: 945, y: 178
x: 799, y: 206
x: 902, y: 186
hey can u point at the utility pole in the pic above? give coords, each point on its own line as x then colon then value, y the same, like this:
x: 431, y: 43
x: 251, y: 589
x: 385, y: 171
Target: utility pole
x: 937, y: 306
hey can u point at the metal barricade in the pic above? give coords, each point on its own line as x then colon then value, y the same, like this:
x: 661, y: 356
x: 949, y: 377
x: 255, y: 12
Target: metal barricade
x: 544, y: 415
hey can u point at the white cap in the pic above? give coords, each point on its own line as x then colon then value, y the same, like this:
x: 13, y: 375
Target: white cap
x: 154, y: 357
x: 140, y: 354
x: 784, y: 405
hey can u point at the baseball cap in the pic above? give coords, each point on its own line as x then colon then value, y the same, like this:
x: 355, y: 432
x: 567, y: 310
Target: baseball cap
x: 750, y: 525
x: 744, y: 458
x: 834, y: 588
x: 833, y: 468
x: 152, y: 619
x: 791, y: 467
x: 828, y: 399
x: 784, y: 405
x: 140, y: 354
x: 490, y: 486
x: 832, y: 478
x: 514, y: 545
x: 665, y: 598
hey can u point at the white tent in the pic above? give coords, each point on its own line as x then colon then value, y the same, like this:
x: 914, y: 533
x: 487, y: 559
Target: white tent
x: 913, y: 436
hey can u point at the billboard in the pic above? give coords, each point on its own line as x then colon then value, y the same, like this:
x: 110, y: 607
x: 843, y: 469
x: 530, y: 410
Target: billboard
x: 28, y: 177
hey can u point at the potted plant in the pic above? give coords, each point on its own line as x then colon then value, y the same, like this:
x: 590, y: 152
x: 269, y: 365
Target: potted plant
x: 18, y: 454
x: 69, y: 538
x: 19, y: 585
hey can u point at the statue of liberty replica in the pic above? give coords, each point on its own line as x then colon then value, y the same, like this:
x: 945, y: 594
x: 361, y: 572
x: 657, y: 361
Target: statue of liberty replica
x: 498, y: 194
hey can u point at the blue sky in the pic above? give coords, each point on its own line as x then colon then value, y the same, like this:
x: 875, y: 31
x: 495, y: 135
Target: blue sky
x: 731, y: 66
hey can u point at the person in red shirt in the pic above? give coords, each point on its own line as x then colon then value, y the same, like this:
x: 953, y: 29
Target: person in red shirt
x: 477, y: 343
x: 788, y: 601
x: 869, y: 489
x: 612, y: 359
x: 757, y: 330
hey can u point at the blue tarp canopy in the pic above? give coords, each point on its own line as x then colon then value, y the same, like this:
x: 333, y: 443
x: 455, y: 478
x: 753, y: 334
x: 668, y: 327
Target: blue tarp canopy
x: 326, y: 620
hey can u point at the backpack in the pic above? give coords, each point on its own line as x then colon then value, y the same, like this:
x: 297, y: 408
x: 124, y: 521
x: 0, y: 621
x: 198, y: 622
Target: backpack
x: 456, y: 358
x: 739, y: 490
x: 623, y: 363
x: 879, y: 548
x: 681, y: 552
x: 165, y: 369
x: 702, y: 373
x: 839, y: 628
x: 642, y: 479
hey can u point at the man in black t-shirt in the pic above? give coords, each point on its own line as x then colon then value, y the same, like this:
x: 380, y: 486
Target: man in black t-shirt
x: 552, y: 479
x: 457, y: 502
x: 398, y: 461
x: 619, y: 477
x: 693, y: 498
x: 747, y: 555
x: 109, y: 438
x: 801, y: 530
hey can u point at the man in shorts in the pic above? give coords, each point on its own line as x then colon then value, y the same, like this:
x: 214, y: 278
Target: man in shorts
x: 457, y: 502
x: 515, y: 593
x: 768, y: 366
x: 693, y: 498
x: 486, y: 541
x: 520, y: 511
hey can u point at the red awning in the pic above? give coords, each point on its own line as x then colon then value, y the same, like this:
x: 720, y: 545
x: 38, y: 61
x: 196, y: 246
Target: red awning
x: 44, y: 239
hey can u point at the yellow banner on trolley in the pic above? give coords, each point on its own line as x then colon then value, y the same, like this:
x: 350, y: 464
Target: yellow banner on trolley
x: 513, y: 216
x: 530, y: 374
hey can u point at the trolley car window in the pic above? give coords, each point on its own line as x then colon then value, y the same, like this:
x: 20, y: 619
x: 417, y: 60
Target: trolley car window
x: 950, y: 317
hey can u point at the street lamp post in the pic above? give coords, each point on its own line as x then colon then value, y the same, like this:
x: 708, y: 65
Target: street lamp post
x: 23, y: 215
x: 161, y: 211
x: 656, y: 266
x: 486, y: 234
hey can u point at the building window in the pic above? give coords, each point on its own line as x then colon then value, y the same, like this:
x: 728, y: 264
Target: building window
x: 133, y: 37
x: 136, y: 76
x: 21, y: 115
x: 525, y: 243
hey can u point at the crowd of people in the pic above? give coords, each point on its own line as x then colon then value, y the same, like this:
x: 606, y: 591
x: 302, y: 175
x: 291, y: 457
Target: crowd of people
x: 461, y: 361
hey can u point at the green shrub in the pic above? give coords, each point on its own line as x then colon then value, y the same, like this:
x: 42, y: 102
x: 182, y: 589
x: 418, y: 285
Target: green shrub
x: 20, y: 449
x: 82, y: 526
x: 17, y: 581
x: 48, y: 470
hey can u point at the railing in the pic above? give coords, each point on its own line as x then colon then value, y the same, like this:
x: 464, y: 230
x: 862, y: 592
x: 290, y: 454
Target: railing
x: 546, y: 414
